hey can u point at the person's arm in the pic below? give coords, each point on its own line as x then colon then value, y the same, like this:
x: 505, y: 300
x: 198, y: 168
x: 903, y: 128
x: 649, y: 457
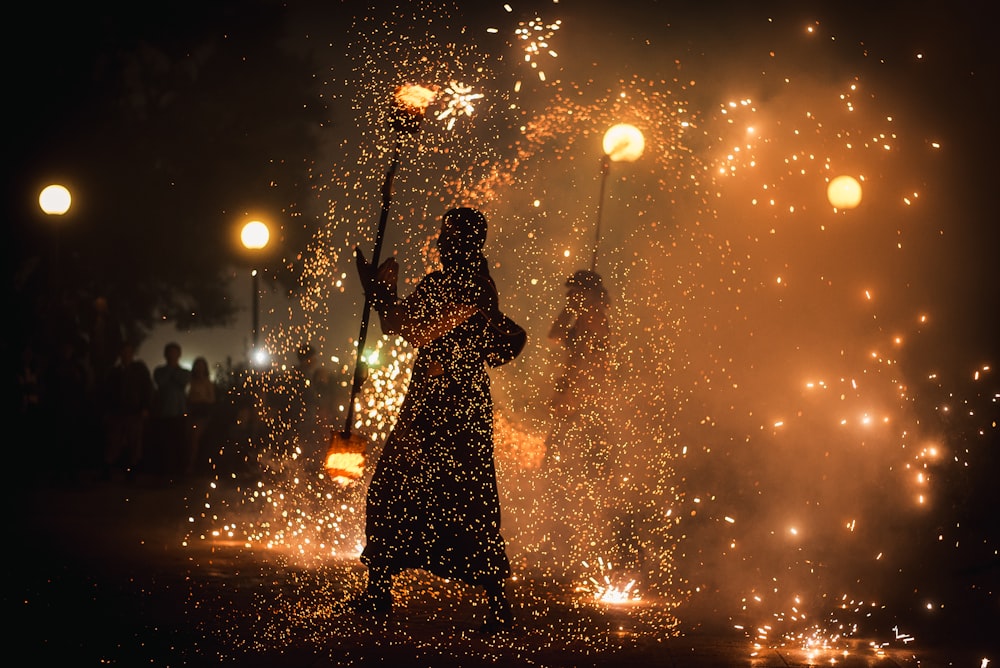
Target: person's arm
x: 561, y: 326
x: 420, y: 326
x: 569, y: 317
x: 417, y: 319
x: 594, y: 330
x: 424, y: 315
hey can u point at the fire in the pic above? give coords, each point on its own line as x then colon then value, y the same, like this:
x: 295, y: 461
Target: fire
x: 414, y: 98
x: 610, y: 587
x: 345, y: 458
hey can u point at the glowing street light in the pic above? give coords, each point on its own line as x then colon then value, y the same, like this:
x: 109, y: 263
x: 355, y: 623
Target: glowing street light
x: 844, y: 192
x: 622, y: 142
x: 55, y: 200
x: 255, y: 236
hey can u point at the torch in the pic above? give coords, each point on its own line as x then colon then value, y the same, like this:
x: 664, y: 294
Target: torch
x: 345, y: 457
x: 621, y: 142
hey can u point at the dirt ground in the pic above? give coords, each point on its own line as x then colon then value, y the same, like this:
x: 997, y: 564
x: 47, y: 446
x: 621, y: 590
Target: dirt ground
x: 100, y: 577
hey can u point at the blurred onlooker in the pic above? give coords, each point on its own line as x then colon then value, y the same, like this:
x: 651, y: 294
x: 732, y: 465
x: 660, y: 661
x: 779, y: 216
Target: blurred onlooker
x: 28, y: 377
x: 104, y: 338
x: 306, y: 369
x: 329, y: 391
x: 127, y: 392
x: 169, y: 410
x: 28, y: 370
x: 200, y: 410
x: 67, y: 404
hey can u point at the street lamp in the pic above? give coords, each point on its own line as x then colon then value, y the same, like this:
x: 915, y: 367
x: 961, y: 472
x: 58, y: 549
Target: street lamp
x: 622, y: 143
x: 55, y: 200
x: 255, y: 236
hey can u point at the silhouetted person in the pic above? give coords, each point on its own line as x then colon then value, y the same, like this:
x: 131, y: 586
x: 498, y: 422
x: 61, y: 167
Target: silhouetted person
x: 200, y: 411
x: 331, y: 389
x: 432, y: 501
x: 327, y: 389
x: 127, y: 397
x: 104, y: 338
x: 577, y: 449
x: 169, y: 410
x: 67, y: 402
x: 29, y: 416
x: 28, y: 380
x: 304, y: 413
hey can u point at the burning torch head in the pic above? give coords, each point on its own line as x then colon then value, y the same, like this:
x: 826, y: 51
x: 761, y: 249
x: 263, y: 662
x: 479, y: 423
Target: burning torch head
x: 410, y: 104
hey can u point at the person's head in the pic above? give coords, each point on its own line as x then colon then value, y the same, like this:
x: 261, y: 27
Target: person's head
x: 199, y: 368
x: 127, y: 352
x: 306, y: 355
x: 587, y: 286
x: 462, y: 237
x: 172, y: 353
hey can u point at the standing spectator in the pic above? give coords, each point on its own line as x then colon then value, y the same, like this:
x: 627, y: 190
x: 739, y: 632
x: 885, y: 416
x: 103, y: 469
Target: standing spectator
x: 200, y: 410
x: 303, y: 385
x: 169, y: 411
x: 68, y: 407
x: 331, y: 391
x: 127, y: 394
x: 104, y: 339
x: 28, y: 377
x: 28, y: 372
x: 306, y: 433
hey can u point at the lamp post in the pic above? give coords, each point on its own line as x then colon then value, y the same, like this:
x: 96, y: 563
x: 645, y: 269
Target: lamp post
x: 622, y: 142
x: 55, y: 200
x: 255, y: 236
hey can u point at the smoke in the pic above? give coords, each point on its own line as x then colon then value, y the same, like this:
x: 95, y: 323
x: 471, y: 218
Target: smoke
x: 773, y: 409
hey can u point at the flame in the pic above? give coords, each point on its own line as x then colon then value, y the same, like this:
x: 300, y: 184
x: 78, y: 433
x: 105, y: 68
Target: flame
x: 414, y: 98
x: 345, y: 458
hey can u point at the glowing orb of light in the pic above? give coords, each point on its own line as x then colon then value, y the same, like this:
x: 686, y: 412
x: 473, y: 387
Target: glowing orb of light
x: 844, y: 192
x: 54, y: 199
x: 255, y: 235
x: 623, y: 142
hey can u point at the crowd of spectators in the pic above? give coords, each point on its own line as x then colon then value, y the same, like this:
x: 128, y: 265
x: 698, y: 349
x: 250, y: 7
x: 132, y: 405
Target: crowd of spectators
x: 88, y: 408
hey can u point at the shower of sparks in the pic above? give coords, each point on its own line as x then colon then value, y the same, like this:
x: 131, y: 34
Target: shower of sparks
x: 534, y: 38
x: 458, y: 101
x: 609, y: 586
x: 768, y: 412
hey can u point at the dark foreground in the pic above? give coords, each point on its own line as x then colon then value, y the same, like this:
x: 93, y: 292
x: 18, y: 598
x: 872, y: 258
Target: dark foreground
x: 98, y: 577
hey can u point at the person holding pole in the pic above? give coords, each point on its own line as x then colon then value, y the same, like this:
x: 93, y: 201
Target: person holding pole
x: 577, y: 449
x: 433, y: 502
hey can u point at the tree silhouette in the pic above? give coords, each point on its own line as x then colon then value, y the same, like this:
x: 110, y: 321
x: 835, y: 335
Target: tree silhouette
x: 168, y: 125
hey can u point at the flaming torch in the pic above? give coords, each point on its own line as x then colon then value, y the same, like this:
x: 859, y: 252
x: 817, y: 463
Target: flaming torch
x: 345, y: 457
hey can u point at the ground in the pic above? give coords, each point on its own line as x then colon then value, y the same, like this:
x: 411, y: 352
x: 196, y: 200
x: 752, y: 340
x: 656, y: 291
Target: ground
x: 101, y: 577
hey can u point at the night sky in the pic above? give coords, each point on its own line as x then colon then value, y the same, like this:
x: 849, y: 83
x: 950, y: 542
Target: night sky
x: 797, y: 381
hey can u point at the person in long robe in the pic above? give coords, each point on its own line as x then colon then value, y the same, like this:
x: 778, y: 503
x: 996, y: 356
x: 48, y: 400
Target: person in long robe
x: 577, y: 449
x: 432, y: 502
